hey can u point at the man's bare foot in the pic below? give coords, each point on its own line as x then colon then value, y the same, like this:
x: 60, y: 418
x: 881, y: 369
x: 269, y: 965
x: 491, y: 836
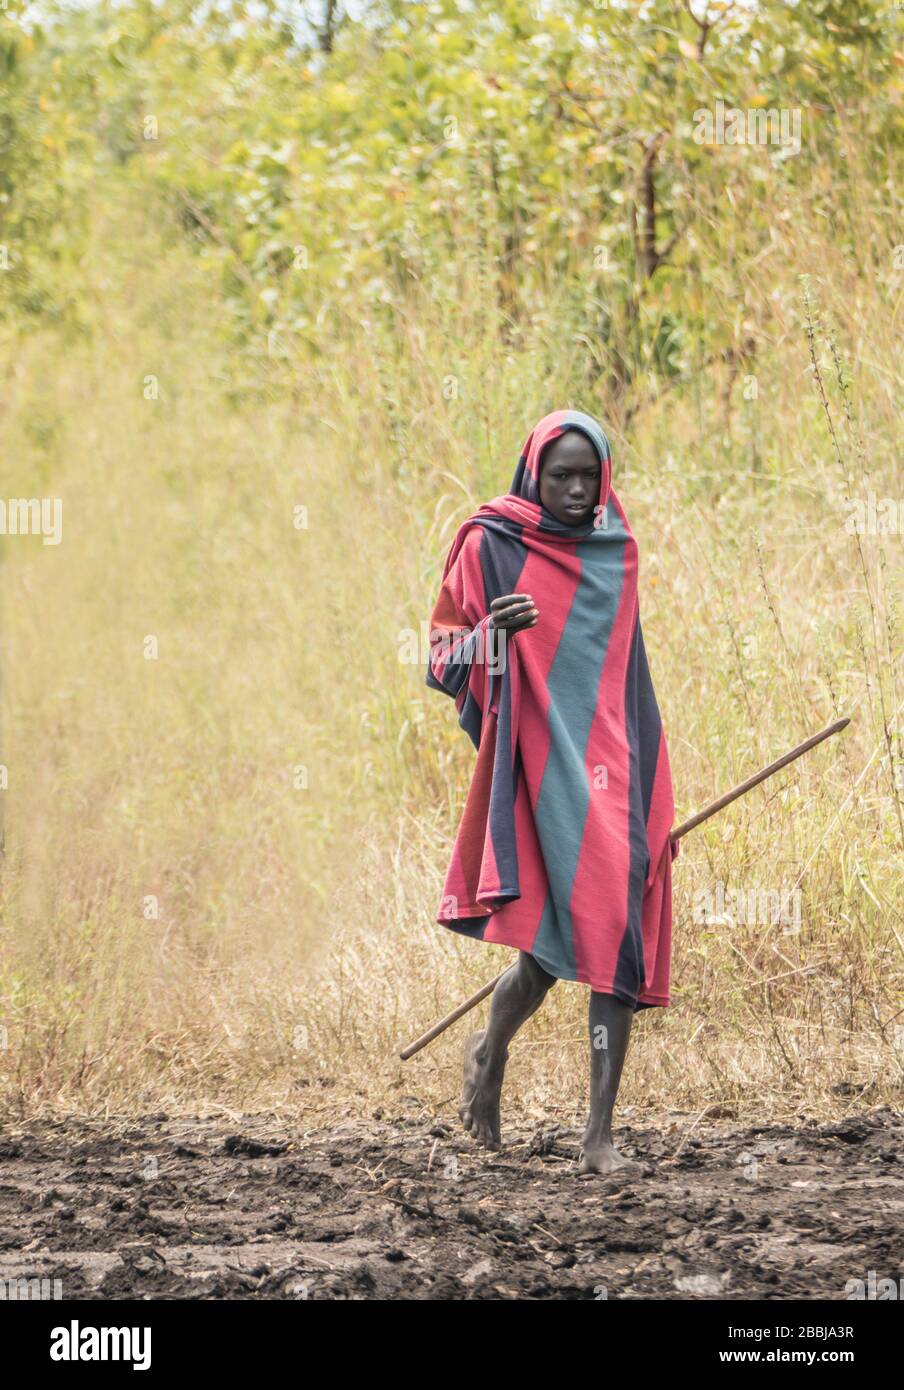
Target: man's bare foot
x: 479, y: 1109
x: 601, y: 1156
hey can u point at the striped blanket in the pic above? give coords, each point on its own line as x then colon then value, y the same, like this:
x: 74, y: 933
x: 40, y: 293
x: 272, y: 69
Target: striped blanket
x: 563, y: 847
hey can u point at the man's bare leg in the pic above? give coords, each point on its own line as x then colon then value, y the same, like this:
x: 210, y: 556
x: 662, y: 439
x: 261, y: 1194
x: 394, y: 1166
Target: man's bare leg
x: 610, y: 1029
x: 518, y: 994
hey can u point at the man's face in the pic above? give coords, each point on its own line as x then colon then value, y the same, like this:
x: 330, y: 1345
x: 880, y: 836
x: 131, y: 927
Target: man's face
x: 570, y: 478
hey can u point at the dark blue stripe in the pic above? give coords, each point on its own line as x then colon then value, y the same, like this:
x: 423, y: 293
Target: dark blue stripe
x: 629, y: 973
x: 649, y: 726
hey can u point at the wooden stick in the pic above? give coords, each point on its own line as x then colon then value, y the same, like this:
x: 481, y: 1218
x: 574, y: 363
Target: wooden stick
x: 757, y: 777
x: 676, y: 834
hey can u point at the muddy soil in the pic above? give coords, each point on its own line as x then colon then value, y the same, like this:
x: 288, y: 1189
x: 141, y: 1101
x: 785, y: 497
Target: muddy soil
x: 406, y: 1208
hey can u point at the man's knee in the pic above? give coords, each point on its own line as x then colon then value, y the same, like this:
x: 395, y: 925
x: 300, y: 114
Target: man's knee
x: 540, y: 979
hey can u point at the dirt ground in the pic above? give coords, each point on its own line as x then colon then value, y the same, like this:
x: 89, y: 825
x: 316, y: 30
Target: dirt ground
x: 403, y: 1207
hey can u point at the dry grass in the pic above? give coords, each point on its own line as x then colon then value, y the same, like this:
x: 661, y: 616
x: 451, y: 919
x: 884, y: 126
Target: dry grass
x: 295, y: 946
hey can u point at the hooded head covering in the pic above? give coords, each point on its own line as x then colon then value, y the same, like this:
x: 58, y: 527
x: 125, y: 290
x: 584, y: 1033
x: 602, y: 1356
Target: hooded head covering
x: 526, y: 482
x: 521, y: 505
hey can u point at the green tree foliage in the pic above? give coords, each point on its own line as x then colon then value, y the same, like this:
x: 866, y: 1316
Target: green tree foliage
x: 334, y: 166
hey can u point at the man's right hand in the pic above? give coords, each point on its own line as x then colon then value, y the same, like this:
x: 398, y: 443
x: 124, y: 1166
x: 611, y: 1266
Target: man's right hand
x: 512, y: 612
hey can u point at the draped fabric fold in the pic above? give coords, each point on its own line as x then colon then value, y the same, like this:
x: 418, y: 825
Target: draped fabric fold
x: 563, y: 847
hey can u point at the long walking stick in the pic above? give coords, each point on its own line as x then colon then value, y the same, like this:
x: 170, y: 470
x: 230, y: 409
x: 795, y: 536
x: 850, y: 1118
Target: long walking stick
x: 676, y: 834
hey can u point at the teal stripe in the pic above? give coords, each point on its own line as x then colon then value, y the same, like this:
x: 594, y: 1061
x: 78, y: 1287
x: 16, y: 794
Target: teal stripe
x: 561, y: 810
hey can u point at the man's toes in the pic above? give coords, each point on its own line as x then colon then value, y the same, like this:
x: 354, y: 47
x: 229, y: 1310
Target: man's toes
x: 487, y: 1137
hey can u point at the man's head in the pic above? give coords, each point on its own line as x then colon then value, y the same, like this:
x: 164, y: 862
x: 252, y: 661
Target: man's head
x: 570, y: 478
